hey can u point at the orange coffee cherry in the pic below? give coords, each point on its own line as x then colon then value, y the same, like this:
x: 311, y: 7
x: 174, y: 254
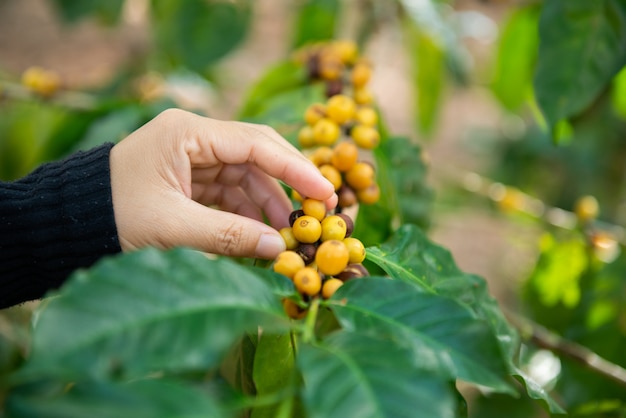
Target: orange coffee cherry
x: 360, y: 176
x: 331, y: 174
x: 314, y: 208
x: 308, y: 281
x: 332, y: 257
x: 369, y: 195
x: 345, y: 156
x: 292, y: 309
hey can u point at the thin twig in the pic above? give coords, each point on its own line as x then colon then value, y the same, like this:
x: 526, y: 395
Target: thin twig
x: 544, y: 338
x: 68, y: 99
x: 527, y: 204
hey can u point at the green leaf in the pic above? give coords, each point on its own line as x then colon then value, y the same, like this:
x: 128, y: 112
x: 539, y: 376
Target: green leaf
x: 410, y: 256
x: 150, y: 310
x: 137, y: 399
x: 280, y: 284
x: 429, y: 17
x: 446, y: 337
x: 107, y: 11
x: 274, y: 371
x: 197, y: 33
x: 558, y: 271
x: 402, y: 174
x: 10, y: 358
x: 26, y: 129
x: 428, y: 65
x: 284, y: 111
x: 535, y: 391
x: 582, y: 46
x: 619, y: 93
x: 373, y: 223
x: 283, y: 77
x: 353, y: 375
x: 516, y: 57
x: 112, y: 127
x: 405, y: 197
x: 316, y: 21
x: 236, y: 368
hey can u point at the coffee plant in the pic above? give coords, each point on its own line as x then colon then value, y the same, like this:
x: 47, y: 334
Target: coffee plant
x: 363, y: 315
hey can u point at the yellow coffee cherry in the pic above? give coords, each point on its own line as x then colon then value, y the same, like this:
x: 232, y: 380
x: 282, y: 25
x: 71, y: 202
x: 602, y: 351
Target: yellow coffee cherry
x: 314, y: 208
x: 330, y: 287
x: 314, y: 113
x: 587, y: 208
x: 363, y: 96
x: 340, y: 108
x: 41, y: 81
x: 333, y: 227
x: 321, y: 156
x: 361, y: 74
x: 296, y: 196
x: 369, y: 195
x: 292, y: 309
x: 366, y: 115
x: 307, y: 229
x: 326, y: 132
x: 330, y: 66
x: 306, y: 138
x: 355, y: 249
x: 331, y: 174
x: 332, y: 257
x: 360, y: 176
x: 288, y: 263
x: 308, y: 281
x: 366, y: 137
x: 346, y: 50
x: 290, y: 239
x: 345, y: 156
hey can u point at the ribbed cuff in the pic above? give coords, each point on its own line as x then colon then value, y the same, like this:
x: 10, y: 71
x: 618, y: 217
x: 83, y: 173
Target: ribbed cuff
x: 55, y: 220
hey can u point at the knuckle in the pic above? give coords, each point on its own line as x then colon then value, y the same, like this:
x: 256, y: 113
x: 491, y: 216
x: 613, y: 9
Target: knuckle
x: 229, y: 239
x: 172, y: 114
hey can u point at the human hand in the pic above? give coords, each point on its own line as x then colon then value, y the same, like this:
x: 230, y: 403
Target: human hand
x: 165, y: 175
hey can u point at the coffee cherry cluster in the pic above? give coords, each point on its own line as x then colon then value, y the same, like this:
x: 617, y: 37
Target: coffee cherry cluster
x: 320, y: 253
x: 41, y: 81
x: 337, y: 130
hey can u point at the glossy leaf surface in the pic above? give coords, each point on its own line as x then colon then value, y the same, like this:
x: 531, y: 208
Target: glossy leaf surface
x: 148, y: 311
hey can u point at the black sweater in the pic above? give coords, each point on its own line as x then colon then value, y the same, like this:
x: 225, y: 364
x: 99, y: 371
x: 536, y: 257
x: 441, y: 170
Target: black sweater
x: 53, y: 221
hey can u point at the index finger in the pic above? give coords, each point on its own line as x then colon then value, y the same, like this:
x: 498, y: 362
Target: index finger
x: 238, y: 143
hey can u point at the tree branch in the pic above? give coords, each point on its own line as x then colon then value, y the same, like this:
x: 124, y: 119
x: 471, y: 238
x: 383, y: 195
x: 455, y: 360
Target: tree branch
x: 542, y: 337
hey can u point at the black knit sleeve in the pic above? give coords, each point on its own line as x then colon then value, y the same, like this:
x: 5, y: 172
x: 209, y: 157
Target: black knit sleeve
x: 53, y: 221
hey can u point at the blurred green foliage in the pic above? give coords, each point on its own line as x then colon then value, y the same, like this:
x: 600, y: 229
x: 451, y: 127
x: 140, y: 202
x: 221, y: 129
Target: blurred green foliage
x: 559, y: 71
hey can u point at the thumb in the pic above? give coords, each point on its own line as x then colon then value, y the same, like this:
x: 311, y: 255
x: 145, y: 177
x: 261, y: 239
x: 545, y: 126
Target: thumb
x: 220, y: 232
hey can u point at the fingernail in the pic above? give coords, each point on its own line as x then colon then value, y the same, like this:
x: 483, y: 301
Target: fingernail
x: 269, y: 246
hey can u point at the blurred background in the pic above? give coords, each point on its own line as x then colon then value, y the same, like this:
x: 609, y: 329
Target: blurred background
x: 526, y: 192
